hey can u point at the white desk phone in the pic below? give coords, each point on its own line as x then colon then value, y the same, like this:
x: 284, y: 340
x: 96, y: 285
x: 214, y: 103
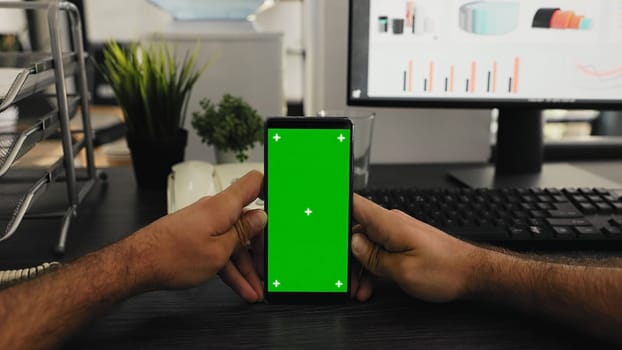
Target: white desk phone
x: 191, y: 180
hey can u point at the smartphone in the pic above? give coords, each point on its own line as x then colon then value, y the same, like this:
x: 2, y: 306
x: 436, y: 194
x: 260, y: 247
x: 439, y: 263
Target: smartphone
x: 308, y: 199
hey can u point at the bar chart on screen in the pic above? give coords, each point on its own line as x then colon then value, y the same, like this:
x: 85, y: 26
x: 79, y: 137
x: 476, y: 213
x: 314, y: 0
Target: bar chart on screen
x: 472, y: 77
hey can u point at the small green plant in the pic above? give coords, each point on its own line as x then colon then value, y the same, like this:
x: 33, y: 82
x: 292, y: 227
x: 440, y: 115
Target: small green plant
x: 232, y: 125
x: 151, y: 87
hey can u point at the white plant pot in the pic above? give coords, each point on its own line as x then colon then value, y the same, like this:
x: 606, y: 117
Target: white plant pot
x: 225, y: 157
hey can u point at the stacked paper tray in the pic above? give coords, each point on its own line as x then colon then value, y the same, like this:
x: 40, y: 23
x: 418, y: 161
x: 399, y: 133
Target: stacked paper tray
x: 25, y: 74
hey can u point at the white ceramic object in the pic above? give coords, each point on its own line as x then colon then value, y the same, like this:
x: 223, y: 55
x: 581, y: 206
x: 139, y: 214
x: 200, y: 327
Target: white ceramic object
x: 197, y: 10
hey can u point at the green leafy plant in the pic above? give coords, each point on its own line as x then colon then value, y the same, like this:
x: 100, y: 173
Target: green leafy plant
x: 151, y: 87
x: 232, y: 125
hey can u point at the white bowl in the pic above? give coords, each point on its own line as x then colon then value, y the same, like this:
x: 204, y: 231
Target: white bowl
x: 196, y: 10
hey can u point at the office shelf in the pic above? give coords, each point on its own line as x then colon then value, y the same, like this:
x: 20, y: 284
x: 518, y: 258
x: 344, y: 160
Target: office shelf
x: 19, y: 192
x: 13, y: 145
x: 22, y: 76
x: 34, y: 72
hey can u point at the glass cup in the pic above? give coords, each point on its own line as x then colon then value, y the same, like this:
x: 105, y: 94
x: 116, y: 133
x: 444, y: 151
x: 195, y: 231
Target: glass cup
x: 363, y: 126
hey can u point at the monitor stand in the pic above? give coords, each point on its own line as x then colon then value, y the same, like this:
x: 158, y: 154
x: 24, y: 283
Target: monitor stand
x: 518, y: 161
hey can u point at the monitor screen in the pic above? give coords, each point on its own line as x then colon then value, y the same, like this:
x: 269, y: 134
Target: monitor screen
x: 497, y: 53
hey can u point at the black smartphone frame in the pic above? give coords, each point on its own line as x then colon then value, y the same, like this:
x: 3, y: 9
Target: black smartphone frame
x: 306, y: 123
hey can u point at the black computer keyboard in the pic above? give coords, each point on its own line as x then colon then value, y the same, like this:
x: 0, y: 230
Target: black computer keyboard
x: 581, y: 218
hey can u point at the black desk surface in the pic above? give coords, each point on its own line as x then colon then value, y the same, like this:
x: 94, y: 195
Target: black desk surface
x: 212, y: 316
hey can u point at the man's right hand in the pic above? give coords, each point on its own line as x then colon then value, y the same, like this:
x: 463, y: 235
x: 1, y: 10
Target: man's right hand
x: 426, y: 262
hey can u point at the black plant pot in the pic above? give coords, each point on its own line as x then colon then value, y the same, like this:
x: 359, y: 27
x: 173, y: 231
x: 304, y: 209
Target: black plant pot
x: 152, y: 159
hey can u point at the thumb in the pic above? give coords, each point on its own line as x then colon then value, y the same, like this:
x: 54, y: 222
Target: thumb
x: 373, y: 257
x: 249, y: 225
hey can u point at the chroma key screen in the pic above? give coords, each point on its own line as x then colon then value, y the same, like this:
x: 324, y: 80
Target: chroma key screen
x: 308, y: 212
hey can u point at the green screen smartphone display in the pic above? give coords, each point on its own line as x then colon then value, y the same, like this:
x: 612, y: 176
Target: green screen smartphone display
x: 308, y: 163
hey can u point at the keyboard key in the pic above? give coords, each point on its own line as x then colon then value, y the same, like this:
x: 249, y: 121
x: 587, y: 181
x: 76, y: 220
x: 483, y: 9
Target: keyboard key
x: 545, y: 199
x: 511, y: 206
x: 437, y: 214
x: 563, y: 232
x: 611, y: 231
x: 565, y: 207
x: 529, y: 199
x: 602, y: 191
x: 553, y: 191
x: 450, y: 222
x: 610, y: 199
x: 595, y: 198
x: 616, y: 193
x: 587, y: 208
x: 564, y: 214
x: 466, y: 222
x: 604, y: 207
x: 453, y: 214
x: 503, y: 214
x: 538, y: 214
x: 496, y: 199
x: 419, y: 199
x: 528, y: 206
x: 571, y: 191
x: 587, y: 231
x: 499, y: 222
x: 567, y: 222
x: 578, y: 198
x: 487, y: 214
x: 560, y: 198
x: 545, y: 206
x: 541, y: 233
x: 469, y: 214
x: 519, y: 232
x: 617, y: 207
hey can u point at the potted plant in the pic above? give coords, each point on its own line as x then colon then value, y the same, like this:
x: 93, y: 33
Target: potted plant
x: 152, y: 88
x: 232, y: 126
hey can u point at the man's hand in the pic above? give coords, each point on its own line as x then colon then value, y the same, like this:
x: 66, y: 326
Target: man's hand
x: 190, y: 246
x: 425, y: 262
x: 433, y: 266
x: 180, y: 250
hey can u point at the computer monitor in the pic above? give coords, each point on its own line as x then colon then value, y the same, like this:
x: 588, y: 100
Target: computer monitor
x: 520, y: 56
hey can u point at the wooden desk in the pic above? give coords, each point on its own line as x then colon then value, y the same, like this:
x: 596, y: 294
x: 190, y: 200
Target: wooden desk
x: 212, y: 316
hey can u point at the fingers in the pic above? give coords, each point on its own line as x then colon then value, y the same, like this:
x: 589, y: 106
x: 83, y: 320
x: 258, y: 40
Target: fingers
x: 355, y: 274
x: 257, y: 247
x: 365, y: 288
x: 249, y: 225
x: 244, y: 263
x: 381, y: 225
x: 234, y: 279
x: 361, y: 282
x: 240, y: 275
x: 229, y: 203
x: 373, y: 257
